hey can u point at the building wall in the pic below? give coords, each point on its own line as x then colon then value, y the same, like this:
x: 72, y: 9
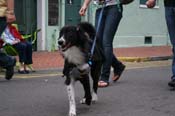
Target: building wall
x: 139, y: 26
x: 139, y: 22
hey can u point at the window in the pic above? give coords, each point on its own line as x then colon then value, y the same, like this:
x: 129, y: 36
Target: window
x: 148, y: 40
x: 53, y: 12
x: 143, y: 4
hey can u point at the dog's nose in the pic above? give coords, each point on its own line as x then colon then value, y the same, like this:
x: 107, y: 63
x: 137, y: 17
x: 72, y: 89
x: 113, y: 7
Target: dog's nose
x: 60, y: 42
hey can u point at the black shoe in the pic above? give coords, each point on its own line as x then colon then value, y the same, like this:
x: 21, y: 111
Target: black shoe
x: 172, y: 83
x: 21, y: 72
x: 27, y: 71
x: 10, y: 70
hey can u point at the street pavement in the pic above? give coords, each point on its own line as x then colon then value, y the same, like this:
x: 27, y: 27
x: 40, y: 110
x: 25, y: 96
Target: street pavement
x: 141, y: 91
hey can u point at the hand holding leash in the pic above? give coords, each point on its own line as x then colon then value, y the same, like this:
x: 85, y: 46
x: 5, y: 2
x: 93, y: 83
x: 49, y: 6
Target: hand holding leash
x: 83, y: 9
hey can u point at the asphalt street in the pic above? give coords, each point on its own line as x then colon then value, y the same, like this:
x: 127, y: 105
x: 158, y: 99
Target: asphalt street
x: 141, y: 91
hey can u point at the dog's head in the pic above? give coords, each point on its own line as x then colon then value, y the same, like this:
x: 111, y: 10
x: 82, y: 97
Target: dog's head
x: 71, y: 36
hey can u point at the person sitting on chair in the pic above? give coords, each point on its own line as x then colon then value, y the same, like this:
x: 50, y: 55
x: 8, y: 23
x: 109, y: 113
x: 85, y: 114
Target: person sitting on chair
x: 24, y: 48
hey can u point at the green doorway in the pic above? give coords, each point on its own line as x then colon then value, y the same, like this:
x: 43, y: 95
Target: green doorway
x: 26, y: 17
x: 72, y: 16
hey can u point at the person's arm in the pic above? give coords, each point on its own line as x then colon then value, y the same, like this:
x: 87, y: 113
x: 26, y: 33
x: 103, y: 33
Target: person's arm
x: 10, y: 15
x: 83, y: 9
x: 151, y: 3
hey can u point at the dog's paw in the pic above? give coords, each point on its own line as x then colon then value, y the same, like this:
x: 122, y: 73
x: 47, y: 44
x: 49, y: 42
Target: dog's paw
x: 72, y: 114
x: 83, y: 101
x: 86, y: 101
x: 94, y: 97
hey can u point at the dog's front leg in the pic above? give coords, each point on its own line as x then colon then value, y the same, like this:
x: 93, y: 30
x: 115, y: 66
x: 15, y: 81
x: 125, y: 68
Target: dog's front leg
x: 71, y: 97
x: 86, y: 85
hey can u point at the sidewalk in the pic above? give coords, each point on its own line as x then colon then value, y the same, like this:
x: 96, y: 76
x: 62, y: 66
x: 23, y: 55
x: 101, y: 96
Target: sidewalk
x: 50, y: 60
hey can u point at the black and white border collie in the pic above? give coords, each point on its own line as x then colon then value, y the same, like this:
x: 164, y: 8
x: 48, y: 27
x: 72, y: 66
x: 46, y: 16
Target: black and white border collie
x: 75, y: 43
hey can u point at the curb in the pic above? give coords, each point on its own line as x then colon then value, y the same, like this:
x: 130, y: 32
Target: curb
x: 144, y: 59
x: 123, y: 59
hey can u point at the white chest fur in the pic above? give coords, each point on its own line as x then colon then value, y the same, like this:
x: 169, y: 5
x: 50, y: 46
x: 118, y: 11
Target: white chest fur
x: 74, y: 55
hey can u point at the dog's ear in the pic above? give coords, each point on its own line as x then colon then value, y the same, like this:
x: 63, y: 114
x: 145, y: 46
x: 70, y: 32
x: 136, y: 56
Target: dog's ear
x: 81, y: 35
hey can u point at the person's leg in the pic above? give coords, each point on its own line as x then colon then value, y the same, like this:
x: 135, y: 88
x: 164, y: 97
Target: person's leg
x: 99, y: 34
x: 28, y: 53
x: 170, y: 20
x: 6, y: 61
x: 21, y: 48
x: 10, y: 68
x: 29, y: 60
x: 118, y: 68
x: 99, y: 30
x: 112, y: 20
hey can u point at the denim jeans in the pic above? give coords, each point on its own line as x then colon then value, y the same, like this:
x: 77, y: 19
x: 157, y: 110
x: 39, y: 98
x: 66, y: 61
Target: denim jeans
x: 107, y: 29
x: 25, y: 52
x: 170, y: 20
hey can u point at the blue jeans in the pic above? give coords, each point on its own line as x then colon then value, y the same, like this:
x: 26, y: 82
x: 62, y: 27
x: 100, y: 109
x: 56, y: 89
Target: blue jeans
x: 25, y: 52
x: 107, y: 29
x: 170, y: 20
